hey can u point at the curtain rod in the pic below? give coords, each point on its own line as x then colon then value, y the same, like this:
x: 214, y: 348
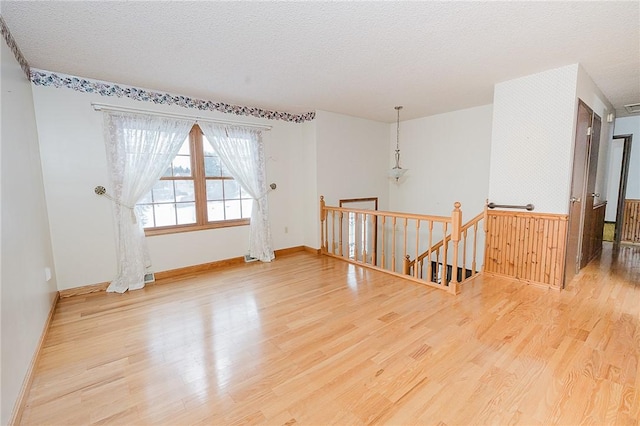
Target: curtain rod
x: 105, y: 107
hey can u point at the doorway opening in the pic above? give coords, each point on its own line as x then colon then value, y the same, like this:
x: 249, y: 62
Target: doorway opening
x: 620, y: 160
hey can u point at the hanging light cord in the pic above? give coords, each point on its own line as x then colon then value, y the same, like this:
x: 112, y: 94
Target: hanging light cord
x: 398, y: 108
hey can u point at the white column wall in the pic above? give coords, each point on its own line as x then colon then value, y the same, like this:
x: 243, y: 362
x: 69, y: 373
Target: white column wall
x: 532, y: 142
x: 590, y: 94
x: 26, y: 295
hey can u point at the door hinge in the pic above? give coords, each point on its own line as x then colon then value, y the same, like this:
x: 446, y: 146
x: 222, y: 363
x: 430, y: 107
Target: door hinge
x: 589, y: 131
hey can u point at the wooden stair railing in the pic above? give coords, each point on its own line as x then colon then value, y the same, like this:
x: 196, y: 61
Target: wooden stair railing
x: 463, y: 274
x: 347, y: 234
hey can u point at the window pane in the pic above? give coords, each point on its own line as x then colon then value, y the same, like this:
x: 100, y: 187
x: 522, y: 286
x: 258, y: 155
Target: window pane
x: 215, y: 210
x: 212, y: 166
x: 184, y: 190
x: 214, y: 189
x: 231, y: 189
x: 184, y: 149
x: 163, y: 192
x: 244, y: 194
x: 246, y: 208
x: 181, y: 165
x: 165, y: 214
x: 167, y: 173
x: 186, y: 213
x: 146, y: 199
x: 206, y: 146
x: 145, y: 215
x: 224, y: 171
x: 232, y: 209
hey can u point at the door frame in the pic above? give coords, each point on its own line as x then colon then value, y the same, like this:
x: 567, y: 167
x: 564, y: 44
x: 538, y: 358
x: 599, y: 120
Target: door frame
x: 577, y: 191
x: 622, y: 188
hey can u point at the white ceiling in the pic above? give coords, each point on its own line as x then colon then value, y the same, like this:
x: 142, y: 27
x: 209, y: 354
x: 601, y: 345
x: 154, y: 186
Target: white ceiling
x: 354, y: 58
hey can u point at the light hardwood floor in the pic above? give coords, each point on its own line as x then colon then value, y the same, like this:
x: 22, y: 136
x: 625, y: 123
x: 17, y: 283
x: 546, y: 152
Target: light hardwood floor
x: 313, y: 340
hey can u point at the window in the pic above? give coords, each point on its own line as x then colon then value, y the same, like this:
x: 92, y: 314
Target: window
x: 196, y: 192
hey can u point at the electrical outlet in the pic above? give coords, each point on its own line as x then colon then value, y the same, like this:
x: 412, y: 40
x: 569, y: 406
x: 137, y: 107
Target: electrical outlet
x: 47, y: 274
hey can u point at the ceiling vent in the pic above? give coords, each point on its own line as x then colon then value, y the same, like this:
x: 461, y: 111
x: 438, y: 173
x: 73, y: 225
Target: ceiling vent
x: 633, y: 108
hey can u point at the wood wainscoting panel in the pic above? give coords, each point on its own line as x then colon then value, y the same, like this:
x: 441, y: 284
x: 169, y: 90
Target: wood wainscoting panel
x: 631, y: 222
x: 526, y: 246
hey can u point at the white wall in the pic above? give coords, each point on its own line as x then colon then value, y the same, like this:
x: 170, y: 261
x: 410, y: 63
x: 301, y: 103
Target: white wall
x: 351, y: 158
x: 311, y: 198
x: 26, y: 248
x: 595, y: 99
x: 448, y: 160
x: 74, y: 162
x: 623, y: 126
x: 532, y: 142
x: 631, y: 126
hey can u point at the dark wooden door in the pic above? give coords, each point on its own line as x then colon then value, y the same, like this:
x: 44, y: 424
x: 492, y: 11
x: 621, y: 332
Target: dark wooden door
x: 578, y: 185
x: 589, y: 236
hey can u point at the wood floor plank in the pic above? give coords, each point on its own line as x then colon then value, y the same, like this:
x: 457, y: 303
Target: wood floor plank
x: 313, y: 340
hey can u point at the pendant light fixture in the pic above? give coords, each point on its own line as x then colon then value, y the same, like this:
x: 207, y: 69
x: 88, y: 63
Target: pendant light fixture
x: 397, y: 172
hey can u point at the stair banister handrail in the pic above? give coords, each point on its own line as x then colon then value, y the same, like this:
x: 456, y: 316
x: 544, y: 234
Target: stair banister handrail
x: 446, y: 239
x: 435, y: 248
x: 450, y: 224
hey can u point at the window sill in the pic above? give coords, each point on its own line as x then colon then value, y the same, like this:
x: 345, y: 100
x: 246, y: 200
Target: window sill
x: 190, y: 228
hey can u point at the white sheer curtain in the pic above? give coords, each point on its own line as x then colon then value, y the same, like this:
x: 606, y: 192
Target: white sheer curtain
x: 139, y: 149
x: 242, y: 152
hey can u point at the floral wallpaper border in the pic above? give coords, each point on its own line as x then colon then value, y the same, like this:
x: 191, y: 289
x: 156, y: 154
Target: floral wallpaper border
x: 8, y: 38
x: 85, y: 85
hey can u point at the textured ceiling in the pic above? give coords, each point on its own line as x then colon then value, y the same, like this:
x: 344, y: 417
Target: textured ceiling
x: 355, y: 58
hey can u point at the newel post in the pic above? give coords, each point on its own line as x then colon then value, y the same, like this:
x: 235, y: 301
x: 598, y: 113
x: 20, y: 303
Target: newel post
x: 406, y: 265
x: 485, y: 227
x: 323, y: 225
x: 456, y: 224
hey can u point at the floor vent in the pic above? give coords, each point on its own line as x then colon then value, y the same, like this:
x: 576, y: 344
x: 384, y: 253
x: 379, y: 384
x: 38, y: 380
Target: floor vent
x: 149, y: 277
x: 248, y: 258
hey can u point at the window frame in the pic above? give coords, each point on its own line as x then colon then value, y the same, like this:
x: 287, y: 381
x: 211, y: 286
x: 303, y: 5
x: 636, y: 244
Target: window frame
x: 199, y: 179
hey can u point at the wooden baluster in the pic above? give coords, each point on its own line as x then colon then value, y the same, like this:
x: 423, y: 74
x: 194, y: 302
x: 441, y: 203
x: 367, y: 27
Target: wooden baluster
x: 341, y: 216
x: 456, y: 222
x: 438, y: 265
x: 374, y: 230
x: 323, y: 218
x: 365, y: 241
x: 393, y: 245
x: 333, y: 232
x: 475, y: 247
x: 429, y: 266
x: 416, y: 270
x: 464, y: 255
x: 445, y: 252
x: 382, y: 252
x: 404, y: 249
x: 356, y: 235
